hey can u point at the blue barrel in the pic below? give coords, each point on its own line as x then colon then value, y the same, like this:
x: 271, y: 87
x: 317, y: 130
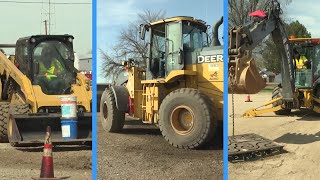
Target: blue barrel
x: 69, y: 129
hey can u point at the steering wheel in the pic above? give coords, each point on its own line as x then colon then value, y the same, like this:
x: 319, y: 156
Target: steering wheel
x: 162, y: 54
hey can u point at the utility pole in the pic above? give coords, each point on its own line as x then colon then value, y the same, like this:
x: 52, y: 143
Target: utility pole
x: 46, y: 26
x: 49, y: 15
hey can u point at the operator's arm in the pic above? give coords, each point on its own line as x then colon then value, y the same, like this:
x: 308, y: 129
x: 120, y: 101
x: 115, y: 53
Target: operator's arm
x: 307, y: 63
x: 58, y: 68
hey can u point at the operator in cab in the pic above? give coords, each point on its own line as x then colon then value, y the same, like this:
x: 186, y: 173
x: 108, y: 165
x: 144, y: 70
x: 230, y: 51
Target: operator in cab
x: 301, y: 62
x: 302, y: 66
x: 49, y: 70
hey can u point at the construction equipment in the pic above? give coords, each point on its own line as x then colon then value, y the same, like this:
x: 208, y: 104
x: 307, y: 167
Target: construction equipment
x: 30, y: 102
x: 244, y: 77
x: 306, y: 87
x: 181, y: 88
x: 243, y: 74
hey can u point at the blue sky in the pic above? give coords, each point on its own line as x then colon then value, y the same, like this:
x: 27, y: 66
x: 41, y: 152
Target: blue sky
x: 307, y: 13
x: 113, y: 15
x: 20, y: 20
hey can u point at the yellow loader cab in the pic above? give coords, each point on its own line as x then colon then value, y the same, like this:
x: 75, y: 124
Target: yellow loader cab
x: 181, y: 88
x: 30, y: 97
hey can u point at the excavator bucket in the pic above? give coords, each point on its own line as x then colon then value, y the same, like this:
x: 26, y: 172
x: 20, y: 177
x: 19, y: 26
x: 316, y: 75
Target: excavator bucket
x: 247, y: 78
x: 31, y: 128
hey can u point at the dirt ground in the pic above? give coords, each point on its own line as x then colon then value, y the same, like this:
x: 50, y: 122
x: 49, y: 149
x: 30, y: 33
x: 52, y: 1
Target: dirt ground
x: 299, y: 133
x: 140, y: 152
x: 72, y: 161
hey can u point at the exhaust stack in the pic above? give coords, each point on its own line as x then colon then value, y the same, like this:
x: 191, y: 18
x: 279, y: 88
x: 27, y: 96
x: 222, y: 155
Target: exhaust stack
x: 215, y: 33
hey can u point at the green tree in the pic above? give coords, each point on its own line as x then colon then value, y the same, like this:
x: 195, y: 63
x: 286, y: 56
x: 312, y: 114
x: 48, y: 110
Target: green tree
x: 298, y: 30
x: 271, y: 55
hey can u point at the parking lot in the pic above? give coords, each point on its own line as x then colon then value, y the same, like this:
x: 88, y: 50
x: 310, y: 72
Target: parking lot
x: 25, y: 162
x: 140, y: 152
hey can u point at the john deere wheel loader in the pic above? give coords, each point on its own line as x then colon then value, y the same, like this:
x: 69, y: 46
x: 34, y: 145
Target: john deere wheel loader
x: 181, y: 88
x: 27, y: 104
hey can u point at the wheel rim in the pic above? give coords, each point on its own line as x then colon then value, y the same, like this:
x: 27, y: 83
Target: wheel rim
x: 182, y: 120
x: 105, y: 111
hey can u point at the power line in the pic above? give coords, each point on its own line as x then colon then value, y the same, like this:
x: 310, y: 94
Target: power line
x: 38, y: 2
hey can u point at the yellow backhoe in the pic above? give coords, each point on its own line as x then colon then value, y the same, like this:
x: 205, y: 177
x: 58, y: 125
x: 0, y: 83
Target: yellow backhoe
x: 299, y: 88
x: 306, y: 91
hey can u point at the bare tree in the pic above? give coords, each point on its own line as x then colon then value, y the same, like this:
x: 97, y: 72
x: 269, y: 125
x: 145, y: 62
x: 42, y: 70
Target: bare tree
x: 129, y: 45
x: 239, y: 10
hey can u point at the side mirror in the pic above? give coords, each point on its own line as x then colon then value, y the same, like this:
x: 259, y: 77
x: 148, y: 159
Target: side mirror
x: 124, y: 63
x: 142, y: 31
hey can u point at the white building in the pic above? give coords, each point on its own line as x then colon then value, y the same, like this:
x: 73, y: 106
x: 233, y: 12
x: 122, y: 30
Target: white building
x: 83, y: 64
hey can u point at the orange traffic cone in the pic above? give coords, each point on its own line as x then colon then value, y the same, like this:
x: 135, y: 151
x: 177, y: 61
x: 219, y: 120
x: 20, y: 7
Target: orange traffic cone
x: 248, y: 99
x: 47, y: 160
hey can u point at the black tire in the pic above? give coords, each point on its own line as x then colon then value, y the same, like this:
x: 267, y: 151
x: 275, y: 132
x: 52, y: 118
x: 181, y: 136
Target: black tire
x: 18, y: 109
x: 201, y: 110
x: 276, y: 93
x: 111, y: 118
x: 4, y: 117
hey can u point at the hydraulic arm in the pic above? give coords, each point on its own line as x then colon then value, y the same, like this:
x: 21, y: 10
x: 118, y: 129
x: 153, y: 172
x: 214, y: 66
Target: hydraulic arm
x: 244, y: 77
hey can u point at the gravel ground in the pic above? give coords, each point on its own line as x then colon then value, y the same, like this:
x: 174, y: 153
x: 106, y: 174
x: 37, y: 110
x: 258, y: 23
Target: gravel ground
x: 299, y: 133
x: 140, y: 152
x: 23, y: 163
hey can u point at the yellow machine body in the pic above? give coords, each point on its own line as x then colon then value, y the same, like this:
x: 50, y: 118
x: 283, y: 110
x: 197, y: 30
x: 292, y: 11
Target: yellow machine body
x: 304, y: 97
x: 43, y: 109
x: 181, y: 88
x: 148, y: 94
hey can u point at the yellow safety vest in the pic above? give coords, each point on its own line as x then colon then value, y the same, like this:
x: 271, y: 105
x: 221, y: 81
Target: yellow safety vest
x: 50, y: 72
x: 300, y: 62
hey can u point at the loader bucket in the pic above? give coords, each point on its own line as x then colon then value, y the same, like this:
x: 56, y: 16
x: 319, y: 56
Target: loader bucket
x: 248, y: 79
x: 31, y: 128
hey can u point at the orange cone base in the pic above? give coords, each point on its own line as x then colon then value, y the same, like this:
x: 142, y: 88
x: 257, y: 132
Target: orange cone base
x: 47, y: 178
x: 55, y: 178
x: 47, y: 167
x: 248, y: 99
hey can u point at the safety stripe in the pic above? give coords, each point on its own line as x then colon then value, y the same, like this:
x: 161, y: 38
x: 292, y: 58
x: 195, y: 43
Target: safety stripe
x: 47, y: 152
x: 69, y: 102
x: 47, y: 146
